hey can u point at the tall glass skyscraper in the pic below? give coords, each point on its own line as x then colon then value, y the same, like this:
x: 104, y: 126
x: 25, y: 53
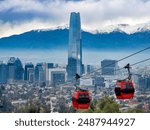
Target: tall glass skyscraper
x: 15, y: 69
x: 3, y: 73
x: 26, y: 73
x: 75, y: 47
x: 40, y: 73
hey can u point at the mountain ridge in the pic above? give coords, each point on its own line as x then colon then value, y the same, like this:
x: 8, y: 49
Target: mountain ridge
x: 58, y: 38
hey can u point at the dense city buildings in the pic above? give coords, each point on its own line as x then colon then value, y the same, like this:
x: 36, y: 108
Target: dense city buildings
x: 142, y: 81
x: 75, y: 47
x: 99, y: 81
x: 58, y: 77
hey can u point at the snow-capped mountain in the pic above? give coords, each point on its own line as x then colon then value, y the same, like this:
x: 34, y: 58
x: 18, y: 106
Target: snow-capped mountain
x: 125, y: 28
x: 119, y: 37
x: 129, y: 29
x: 66, y: 26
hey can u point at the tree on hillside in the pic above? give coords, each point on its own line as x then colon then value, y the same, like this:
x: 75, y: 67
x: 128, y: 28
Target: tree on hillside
x: 103, y: 105
x: 134, y: 110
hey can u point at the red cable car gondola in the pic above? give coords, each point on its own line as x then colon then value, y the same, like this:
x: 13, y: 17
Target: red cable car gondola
x: 80, y: 98
x: 124, y: 89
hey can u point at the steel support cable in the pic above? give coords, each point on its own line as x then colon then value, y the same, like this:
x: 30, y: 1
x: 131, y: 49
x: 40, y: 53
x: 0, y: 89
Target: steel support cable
x: 123, y: 67
x: 112, y: 71
x: 135, y: 53
x: 119, y: 60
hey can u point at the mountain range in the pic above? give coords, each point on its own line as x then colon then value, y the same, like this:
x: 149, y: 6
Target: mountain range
x: 118, y: 37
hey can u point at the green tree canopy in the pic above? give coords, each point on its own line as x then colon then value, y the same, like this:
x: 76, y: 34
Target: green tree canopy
x: 103, y: 105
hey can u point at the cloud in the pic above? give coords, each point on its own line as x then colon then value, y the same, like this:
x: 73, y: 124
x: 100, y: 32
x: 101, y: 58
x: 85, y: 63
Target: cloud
x: 17, y: 16
x: 8, y: 28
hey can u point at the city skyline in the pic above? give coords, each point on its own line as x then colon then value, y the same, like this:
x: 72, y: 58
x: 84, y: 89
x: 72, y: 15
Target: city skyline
x: 47, y: 56
x: 39, y: 68
x: 17, y: 94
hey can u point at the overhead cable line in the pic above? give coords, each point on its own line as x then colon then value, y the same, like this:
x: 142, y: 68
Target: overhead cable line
x: 133, y: 54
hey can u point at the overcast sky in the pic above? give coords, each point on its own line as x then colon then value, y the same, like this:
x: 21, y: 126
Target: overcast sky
x: 18, y: 16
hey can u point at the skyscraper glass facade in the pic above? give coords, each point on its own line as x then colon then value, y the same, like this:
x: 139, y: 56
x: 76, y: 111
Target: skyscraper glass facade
x: 15, y: 69
x: 27, y: 67
x: 3, y: 73
x: 109, y: 67
x: 75, y: 47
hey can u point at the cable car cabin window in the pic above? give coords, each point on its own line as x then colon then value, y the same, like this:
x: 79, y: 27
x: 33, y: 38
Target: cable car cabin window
x: 83, y: 99
x: 83, y: 96
x: 117, y: 90
x: 128, y: 88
